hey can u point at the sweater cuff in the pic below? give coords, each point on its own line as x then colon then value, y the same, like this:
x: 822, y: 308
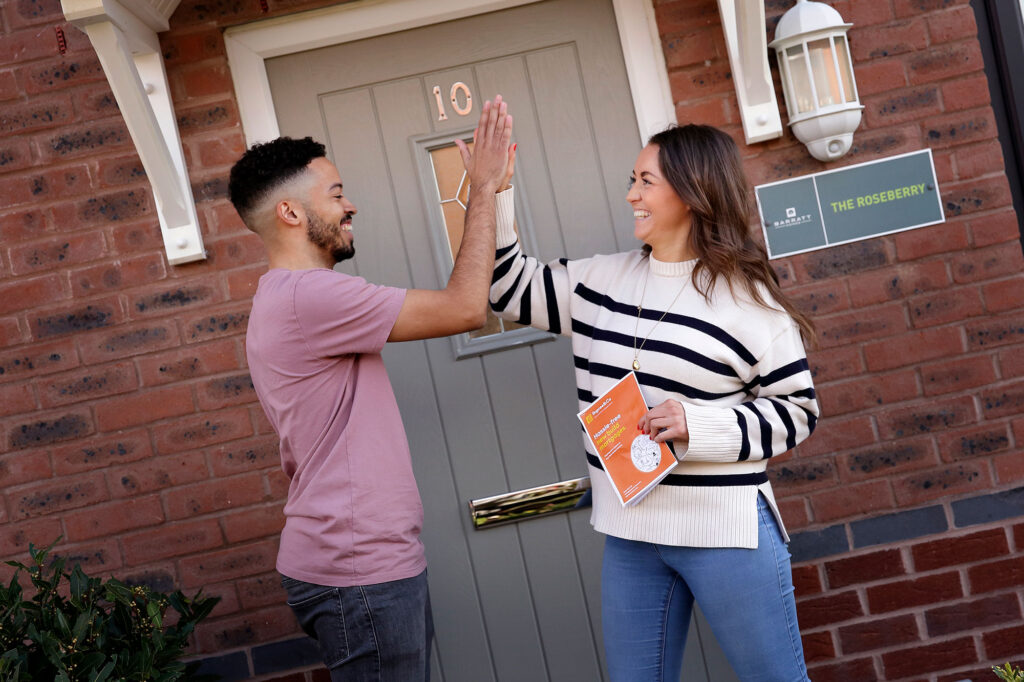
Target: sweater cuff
x: 506, y: 217
x: 714, y: 434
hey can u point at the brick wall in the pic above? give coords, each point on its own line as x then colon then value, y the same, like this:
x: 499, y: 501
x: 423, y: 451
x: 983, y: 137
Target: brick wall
x: 909, y: 564
x: 128, y: 423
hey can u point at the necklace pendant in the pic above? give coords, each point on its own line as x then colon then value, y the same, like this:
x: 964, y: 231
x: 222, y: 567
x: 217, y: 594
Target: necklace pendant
x: 636, y: 364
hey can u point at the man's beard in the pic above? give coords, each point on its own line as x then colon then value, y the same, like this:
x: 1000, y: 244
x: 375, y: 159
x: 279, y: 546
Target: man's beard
x: 321, y: 234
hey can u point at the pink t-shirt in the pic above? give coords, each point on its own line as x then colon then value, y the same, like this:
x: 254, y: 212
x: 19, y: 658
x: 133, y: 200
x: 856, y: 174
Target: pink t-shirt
x: 353, y: 514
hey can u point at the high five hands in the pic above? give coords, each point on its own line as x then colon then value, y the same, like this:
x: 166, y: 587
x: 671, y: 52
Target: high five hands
x: 491, y: 163
x: 664, y: 422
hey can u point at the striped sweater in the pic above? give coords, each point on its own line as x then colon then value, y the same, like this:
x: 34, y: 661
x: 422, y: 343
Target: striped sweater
x: 738, y: 368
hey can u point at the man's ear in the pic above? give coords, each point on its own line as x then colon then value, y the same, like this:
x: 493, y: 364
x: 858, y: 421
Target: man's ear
x: 290, y: 212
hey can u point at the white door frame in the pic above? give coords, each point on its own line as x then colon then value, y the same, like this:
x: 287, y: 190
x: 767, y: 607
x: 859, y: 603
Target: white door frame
x: 249, y: 46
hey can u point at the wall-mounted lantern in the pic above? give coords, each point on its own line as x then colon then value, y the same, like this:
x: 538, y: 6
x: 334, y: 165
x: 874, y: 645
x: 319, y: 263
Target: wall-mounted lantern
x: 817, y: 78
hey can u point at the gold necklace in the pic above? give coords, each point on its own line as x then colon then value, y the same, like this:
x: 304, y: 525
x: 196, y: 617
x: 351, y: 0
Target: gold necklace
x: 639, y: 309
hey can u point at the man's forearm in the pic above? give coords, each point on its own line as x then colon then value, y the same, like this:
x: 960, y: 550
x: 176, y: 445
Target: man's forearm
x: 471, y: 275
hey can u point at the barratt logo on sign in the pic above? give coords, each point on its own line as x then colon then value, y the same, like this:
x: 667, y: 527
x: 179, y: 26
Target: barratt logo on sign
x: 848, y: 204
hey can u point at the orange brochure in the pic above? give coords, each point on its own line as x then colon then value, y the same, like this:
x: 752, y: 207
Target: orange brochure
x: 634, y: 463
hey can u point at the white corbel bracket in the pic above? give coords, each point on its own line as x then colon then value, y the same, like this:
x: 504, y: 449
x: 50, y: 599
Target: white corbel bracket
x: 129, y: 51
x: 745, y: 37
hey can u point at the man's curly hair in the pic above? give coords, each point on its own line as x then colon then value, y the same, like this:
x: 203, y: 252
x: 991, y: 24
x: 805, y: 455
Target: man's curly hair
x: 266, y: 166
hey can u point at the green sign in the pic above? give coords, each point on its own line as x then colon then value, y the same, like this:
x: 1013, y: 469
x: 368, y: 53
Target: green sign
x: 847, y: 204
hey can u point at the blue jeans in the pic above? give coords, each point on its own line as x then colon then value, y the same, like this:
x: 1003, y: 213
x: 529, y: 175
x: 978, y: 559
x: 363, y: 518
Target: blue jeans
x: 647, y: 595
x: 368, y: 633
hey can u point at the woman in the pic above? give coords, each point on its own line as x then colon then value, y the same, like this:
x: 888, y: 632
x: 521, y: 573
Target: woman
x: 716, y: 346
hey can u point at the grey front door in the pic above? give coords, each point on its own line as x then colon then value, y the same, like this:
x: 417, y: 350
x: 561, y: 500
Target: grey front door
x: 493, y: 412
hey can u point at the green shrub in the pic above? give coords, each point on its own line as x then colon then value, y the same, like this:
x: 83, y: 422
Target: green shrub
x: 89, y: 630
x: 1009, y: 674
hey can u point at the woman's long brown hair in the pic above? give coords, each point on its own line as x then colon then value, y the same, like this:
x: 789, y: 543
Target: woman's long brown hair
x: 703, y: 166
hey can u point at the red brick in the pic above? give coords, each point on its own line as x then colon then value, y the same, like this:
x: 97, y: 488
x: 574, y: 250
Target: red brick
x: 893, y: 38
x: 228, y: 564
x: 61, y: 73
x: 900, y: 106
x: 1003, y: 401
x: 1009, y: 468
x: 959, y: 128
x: 37, y: 114
x: 93, y: 102
x: 156, y: 473
x: 219, y: 151
x: 238, y: 251
x: 943, y: 162
x: 28, y: 12
x: 143, y: 407
x: 861, y: 326
x: 84, y: 139
x: 188, y: 363
x: 24, y: 467
x: 246, y: 629
x: 134, y: 238
x: 701, y: 81
x: 820, y: 299
x: 807, y: 580
x: 835, y: 363
x: 944, y: 61
x: 929, y: 417
x: 677, y: 17
x: 897, y: 282
x: 974, y: 196
x: 51, y: 497
x: 111, y: 520
x: 1004, y: 296
x: 972, y: 615
x: 88, y: 384
x: 216, y: 324
x: 875, y: 144
x: 830, y: 608
x: 879, y: 633
x: 860, y: 669
x: 28, y: 44
x: 96, y: 557
x: 19, y: 226
x: 215, y: 495
x: 864, y: 568
x: 14, y: 539
x: 121, y: 170
x: 15, y: 154
x: 201, y: 42
x: 995, y: 331
x: 254, y: 523
x: 73, y: 320
x: 988, y: 263
x: 261, y: 590
x: 41, y: 430
x: 207, y: 117
x: 118, y: 275
x: 201, y: 431
x: 794, y: 512
x: 928, y: 241
x: 978, y: 160
x: 124, y: 341
x: 951, y: 305
x: 835, y: 435
x: 852, y: 500
x: 904, y: 594
x: 857, y: 395
x: 1004, y: 644
x: 789, y: 475
x: 223, y: 391
x: 11, y: 332
x: 978, y: 442
x: 918, y: 488
x: 689, y: 49
x: 242, y: 282
x: 818, y: 646
x: 172, y: 539
x: 223, y: 220
x: 995, y: 229
x: 202, y: 80
x: 716, y: 110
x: 16, y: 399
x: 112, y: 451
x: 26, y: 293
x: 925, y: 659
x: 880, y: 75
x: 996, y: 575
x: 952, y: 375
x: 278, y: 483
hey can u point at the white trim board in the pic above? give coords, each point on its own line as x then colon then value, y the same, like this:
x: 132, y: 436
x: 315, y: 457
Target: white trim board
x: 249, y: 46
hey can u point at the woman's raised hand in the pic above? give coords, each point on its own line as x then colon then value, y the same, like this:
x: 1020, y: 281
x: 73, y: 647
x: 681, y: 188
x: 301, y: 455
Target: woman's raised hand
x: 489, y: 163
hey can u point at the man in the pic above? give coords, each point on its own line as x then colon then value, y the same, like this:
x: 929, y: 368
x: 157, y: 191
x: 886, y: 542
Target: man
x: 350, y: 557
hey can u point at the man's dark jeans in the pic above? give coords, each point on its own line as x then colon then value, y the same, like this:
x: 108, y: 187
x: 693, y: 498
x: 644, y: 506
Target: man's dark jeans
x: 368, y: 633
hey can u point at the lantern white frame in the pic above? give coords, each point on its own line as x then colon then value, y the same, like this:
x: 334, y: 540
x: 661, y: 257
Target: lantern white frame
x: 827, y: 130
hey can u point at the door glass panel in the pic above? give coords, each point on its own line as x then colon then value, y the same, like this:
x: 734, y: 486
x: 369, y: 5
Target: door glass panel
x: 453, y: 195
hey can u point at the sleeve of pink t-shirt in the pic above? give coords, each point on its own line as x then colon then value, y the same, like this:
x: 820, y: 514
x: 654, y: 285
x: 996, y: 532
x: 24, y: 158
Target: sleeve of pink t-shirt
x: 341, y: 314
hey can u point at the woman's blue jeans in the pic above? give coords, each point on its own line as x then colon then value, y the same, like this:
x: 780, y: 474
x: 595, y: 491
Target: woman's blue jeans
x: 368, y: 633
x: 647, y: 595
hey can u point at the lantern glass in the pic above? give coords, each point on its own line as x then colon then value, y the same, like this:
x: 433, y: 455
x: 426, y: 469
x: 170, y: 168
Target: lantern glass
x: 823, y: 66
x: 796, y: 67
x: 845, y: 68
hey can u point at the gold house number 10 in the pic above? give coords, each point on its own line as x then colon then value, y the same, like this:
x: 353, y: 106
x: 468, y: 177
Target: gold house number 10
x: 460, y: 109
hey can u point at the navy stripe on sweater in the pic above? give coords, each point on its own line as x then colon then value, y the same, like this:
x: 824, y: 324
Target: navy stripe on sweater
x: 554, y: 322
x: 607, y: 302
x: 700, y: 481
